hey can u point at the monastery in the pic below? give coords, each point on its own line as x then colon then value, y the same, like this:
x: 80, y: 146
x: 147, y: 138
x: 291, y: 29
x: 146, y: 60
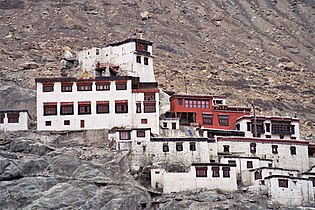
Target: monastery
x: 200, y: 143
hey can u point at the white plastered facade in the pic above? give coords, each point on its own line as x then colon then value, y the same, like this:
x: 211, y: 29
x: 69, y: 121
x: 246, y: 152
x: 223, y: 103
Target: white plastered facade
x: 22, y: 124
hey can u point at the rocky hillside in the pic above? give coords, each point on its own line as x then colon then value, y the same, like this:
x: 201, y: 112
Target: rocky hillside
x: 247, y: 50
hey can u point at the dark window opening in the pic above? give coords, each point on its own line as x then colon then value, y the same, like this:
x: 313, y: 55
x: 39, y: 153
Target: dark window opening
x: 66, y: 87
x: 144, y: 121
x: 50, y: 110
x: 179, y: 146
x: 47, y: 123
x: 215, y: 171
x: 84, y: 87
x: 226, y: 171
x: 138, y: 59
x: 140, y: 133
x: 149, y: 107
x: 48, y: 88
x: 102, y: 86
x: 252, y: 147
x: 267, y: 127
x: 249, y: 124
x: 121, y: 107
x: 268, y: 136
x: 232, y: 162
x: 102, y: 107
x: 149, y: 96
x: 226, y: 148
x: 180, y: 101
x: 138, y: 107
x: 257, y: 175
x: 292, y: 129
x: 124, y: 135
x: 146, y: 61
x: 84, y: 108
x: 274, y: 149
x: 281, y: 128
x: 283, y: 183
x: 97, y: 51
x: 207, y: 119
x: 66, y: 109
x: 281, y: 136
x: 186, y: 118
x: 121, y: 86
x: 165, y: 148
x: 249, y: 164
x: 201, y: 171
x: 224, y: 120
x: 238, y: 127
x: 2, y: 118
x: 164, y: 125
x: 192, y: 146
x: 66, y: 122
x: 174, y: 126
x: 293, y: 150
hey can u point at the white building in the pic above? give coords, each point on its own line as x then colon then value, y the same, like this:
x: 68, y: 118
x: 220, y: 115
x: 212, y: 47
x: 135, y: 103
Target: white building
x: 290, y: 191
x: 132, y: 57
x: 100, y: 103
x: 209, y: 176
x: 14, y: 120
x: 288, y: 154
x: 270, y: 127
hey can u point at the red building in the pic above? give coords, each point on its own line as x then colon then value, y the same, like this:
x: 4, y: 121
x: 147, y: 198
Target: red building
x: 206, y: 111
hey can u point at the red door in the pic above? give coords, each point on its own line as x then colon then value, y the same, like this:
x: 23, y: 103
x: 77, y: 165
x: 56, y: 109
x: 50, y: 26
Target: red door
x: 82, y: 124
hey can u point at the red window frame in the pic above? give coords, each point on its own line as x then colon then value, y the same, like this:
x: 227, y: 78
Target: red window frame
x: 149, y: 107
x: 226, y: 172
x: 215, y: 171
x: 50, y: 108
x: 2, y: 116
x: 121, y: 85
x: 144, y: 121
x: 13, y: 117
x: 48, y: 87
x: 84, y: 86
x: 66, y: 87
x: 121, y: 107
x: 102, y: 107
x: 124, y: 135
x: 140, y: 133
x: 84, y: 107
x: 66, y: 108
x: 102, y: 86
x: 146, y: 61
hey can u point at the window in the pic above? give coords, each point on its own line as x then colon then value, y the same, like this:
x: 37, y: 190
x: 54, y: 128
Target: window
x: 207, y: 119
x: 180, y: 101
x: 141, y: 47
x: 50, y: 108
x: 121, y: 85
x: 102, y: 107
x: 281, y: 136
x: 269, y: 165
x: 149, y: 96
x: 249, y: 164
x: 144, y: 121
x: 124, y: 135
x: 224, y: 120
x: 313, y: 180
x: 84, y: 86
x: 121, y: 106
x: 138, y: 107
x: 292, y: 129
x: 268, y: 136
x: 226, y: 171
x: 97, y: 51
x: 164, y: 125
x: 146, y: 61
x: 179, y: 146
x: 13, y: 117
x: 66, y: 87
x: 82, y: 123
x: 138, y: 59
x: 66, y: 108
x: 149, y: 107
x: 102, y: 86
x: 252, y: 147
x: 283, y: 183
x: 2, y: 118
x: 238, y: 126
x: 293, y: 150
x: 174, y: 126
x: 215, y: 171
x: 201, y: 171
x: 165, y: 148
x: 202, y: 104
x: 267, y: 127
x: 257, y: 175
x: 192, y: 146
x: 47, y: 123
x: 226, y: 148
x: 84, y: 107
x: 274, y: 149
x: 48, y: 87
x: 248, y: 125
x: 66, y: 122
x: 281, y: 128
x: 140, y: 133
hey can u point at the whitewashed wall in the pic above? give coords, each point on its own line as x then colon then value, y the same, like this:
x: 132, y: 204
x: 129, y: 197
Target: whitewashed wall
x: 23, y: 123
x: 183, y: 181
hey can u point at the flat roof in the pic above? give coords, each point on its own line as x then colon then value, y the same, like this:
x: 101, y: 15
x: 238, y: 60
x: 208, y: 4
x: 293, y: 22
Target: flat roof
x: 236, y: 156
x: 73, y: 79
x: 141, y: 41
x: 197, y: 96
x: 274, y: 168
x: 213, y: 164
x: 178, y: 139
x: 285, y: 177
x: 275, y: 118
x: 13, y: 110
x: 247, y: 139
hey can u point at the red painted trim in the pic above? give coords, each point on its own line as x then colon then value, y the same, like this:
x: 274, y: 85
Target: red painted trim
x: 84, y: 102
x: 261, y: 140
x: 145, y: 90
x: 66, y: 103
x: 48, y: 84
x: 50, y: 103
x: 102, y: 102
x: 121, y: 101
x: 121, y: 81
x: 102, y: 82
x: 271, y: 118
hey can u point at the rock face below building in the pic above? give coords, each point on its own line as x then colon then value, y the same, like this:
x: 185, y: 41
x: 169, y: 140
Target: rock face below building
x: 43, y: 170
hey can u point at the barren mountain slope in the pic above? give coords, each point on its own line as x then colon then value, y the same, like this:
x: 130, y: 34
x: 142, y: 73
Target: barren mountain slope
x: 247, y: 50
